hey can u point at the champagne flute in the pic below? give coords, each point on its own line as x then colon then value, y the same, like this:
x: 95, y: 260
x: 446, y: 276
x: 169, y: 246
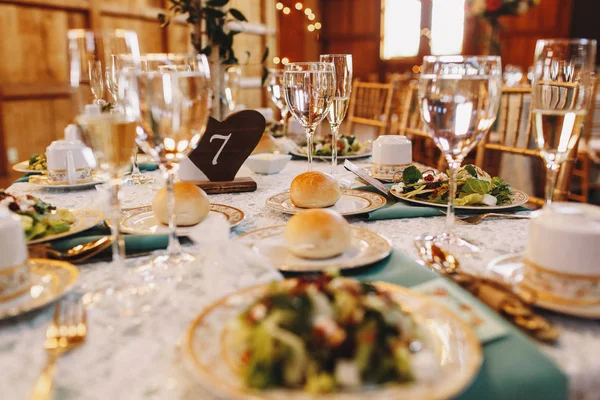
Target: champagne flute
x: 96, y: 81
x: 172, y: 109
x: 561, y: 94
x: 459, y: 99
x: 309, y: 88
x: 341, y: 99
x: 110, y: 135
x: 274, y: 85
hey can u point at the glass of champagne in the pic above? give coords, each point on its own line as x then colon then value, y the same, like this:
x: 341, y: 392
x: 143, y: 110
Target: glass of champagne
x: 309, y: 88
x: 172, y: 108
x: 96, y: 76
x: 110, y: 135
x: 459, y: 99
x: 274, y: 85
x: 341, y: 99
x: 561, y: 95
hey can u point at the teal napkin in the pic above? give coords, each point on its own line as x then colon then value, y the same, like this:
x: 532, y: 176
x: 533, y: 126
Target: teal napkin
x: 513, y: 367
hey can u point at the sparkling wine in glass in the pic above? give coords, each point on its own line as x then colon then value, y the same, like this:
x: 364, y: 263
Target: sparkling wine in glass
x: 110, y: 135
x: 341, y: 98
x: 561, y: 94
x: 96, y: 80
x: 172, y: 109
x: 309, y: 89
x: 459, y: 99
x: 274, y: 86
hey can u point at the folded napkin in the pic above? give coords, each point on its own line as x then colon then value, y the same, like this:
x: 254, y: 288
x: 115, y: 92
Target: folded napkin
x: 513, y: 366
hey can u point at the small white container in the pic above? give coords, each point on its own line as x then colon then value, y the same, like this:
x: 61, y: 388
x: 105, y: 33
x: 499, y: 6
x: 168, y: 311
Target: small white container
x: 14, y: 269
x: 267, y: 163
x: 69, y: 160
x: 391, y: 154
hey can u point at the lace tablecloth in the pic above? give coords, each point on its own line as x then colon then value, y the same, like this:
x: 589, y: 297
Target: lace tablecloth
x: 140, y: 358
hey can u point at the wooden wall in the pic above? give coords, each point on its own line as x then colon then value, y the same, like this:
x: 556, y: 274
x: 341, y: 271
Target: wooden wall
x: 34, y: 103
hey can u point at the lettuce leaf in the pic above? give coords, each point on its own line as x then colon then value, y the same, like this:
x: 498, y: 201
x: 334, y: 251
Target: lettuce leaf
x: 502, y: 191
x: 411, y: 174
x: 468, y: 200
x: 478, y: 186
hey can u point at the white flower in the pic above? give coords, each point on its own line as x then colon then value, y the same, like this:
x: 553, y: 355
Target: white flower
x: 399, y: 187
x: 24, y: 203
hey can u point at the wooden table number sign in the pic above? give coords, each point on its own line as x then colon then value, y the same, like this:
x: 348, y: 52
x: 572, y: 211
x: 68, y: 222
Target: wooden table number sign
x: 224, y: 148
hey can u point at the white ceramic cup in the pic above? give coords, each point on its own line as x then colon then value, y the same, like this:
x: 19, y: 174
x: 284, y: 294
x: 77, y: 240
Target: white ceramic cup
x: 391, y: 154
x: 14, y: 269
x: 69, y: 162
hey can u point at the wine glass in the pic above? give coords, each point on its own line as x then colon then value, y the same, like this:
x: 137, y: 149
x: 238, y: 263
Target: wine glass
x: 459, y: 99
x: 172, y: 110
x: 110, y: 135
x: 309, y: 88
x: 96, y: 81
x: 341, y: 99
x: 561, y: 94
x: 274, y: 85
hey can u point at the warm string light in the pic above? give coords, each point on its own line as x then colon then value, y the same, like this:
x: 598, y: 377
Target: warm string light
x: 311, y: 27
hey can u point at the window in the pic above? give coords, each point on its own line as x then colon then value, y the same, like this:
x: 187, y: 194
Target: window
x: 408, y: 24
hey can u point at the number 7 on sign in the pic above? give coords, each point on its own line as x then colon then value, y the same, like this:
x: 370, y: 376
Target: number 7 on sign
x: 225, y: 139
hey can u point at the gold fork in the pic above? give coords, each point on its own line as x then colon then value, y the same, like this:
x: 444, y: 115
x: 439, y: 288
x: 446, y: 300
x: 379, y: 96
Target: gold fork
x: 67, y: 331
x: 475, y: 219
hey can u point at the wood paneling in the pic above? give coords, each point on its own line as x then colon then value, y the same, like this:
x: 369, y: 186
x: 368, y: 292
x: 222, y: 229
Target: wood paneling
x: 34, y: 103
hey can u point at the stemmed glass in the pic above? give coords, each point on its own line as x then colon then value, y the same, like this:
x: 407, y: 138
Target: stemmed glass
x: 172, y: 110
x: 274, y: 85
x: 561, y: 94
x: 110, y: 135
x: 459, y: 100
x: 96, y: 80
x: 309, y: 88
x: 341, y: 99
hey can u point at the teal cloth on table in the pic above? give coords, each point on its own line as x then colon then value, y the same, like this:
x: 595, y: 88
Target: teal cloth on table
x: 513, y: 367
x: 144, y: 167
x: 396, y: 208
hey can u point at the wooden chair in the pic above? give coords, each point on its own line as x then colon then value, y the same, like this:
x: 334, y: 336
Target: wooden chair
x: 512, y: 137
x: 401, y: 83
x: 370, y: 105
x: 586, y: 157
x: 412, y: 126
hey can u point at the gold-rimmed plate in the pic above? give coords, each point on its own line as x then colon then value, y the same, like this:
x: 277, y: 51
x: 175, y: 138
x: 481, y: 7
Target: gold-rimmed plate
x: 352, y: 202
x: 519, y: 199
x: 42, y: 181
x: 23, y: 166
x: 84, y: 220
x: 457, y: 351
x: 367, y: 247
x: 141, y: 220
x: 361, y: 154
x: 50, y: 279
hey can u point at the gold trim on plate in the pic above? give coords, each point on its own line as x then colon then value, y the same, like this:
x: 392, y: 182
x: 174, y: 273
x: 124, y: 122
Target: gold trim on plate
x: 587, y: 278
x: 375, y: 200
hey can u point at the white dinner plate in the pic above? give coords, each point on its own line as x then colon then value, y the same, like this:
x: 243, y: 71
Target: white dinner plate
x: 510, y: 269
x: 141, y: 220
x: 23, y: 166
x: 301, y: 154
x: 50, y: 279
x: 456, y: 348
x: 43, y: 182
x: 352, y: 202
x: 367, y: 247
x: 519, y: 198
x: 84, y: 220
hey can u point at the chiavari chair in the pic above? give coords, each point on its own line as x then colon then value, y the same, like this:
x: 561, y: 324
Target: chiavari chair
x: 370, y: 105
x: 401, y: 84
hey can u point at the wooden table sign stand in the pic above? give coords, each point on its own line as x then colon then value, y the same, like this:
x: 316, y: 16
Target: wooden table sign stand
x: 222, y: 151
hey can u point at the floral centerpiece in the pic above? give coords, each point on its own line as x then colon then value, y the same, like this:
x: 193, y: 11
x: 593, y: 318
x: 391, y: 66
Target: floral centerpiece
x: 492, y: 10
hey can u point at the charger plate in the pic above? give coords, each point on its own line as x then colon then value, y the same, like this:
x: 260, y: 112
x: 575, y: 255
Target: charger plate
x: 367, y: 247
x: 455, y: 346
x: 352, y: 202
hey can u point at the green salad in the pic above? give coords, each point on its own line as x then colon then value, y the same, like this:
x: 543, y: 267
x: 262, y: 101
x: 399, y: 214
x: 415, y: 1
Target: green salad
x: 38, y: 162
x: 39, y: 219
x: 474, y: 186
x: 326, y: 333
x: 346, y: 146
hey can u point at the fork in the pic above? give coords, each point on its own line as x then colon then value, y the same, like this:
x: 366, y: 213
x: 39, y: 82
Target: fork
x: 67, y: 331
x: 476, y: 219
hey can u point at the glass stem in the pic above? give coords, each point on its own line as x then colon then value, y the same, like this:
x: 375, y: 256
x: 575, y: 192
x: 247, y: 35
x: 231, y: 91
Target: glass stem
x: 453, y: 166
x: 174, y: 248
x: 335, y: 130
x: 551, y: 174
x: 310, y: 133
x: 118, y: 245
x: 284, y: 120
x: 135, y: 169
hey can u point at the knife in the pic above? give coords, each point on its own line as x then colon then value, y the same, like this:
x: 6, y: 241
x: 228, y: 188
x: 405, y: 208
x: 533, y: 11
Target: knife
x: 366, y: 177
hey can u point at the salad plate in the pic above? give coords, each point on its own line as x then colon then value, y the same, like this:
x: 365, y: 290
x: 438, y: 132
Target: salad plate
x: 510, y: 268
x: 349, y: 148
x: 519, y: 199
x: 352, y: 202
x: 301, y: 154
x: 50, y: 279
x: 367, y: 247
x: 24, y: 167
x: 84, y: 219
x: 141, y: 220
x: 451, y: 352
x: 43, y: 182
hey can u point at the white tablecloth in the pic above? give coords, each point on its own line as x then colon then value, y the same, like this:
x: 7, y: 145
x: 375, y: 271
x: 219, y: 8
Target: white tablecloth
x: 125, y: 358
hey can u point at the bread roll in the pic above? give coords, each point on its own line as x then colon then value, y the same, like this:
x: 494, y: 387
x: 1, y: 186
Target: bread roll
x: 318, y: 234
x: 191, y: 204
x: 314, y: 190
x: 267, y: 144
